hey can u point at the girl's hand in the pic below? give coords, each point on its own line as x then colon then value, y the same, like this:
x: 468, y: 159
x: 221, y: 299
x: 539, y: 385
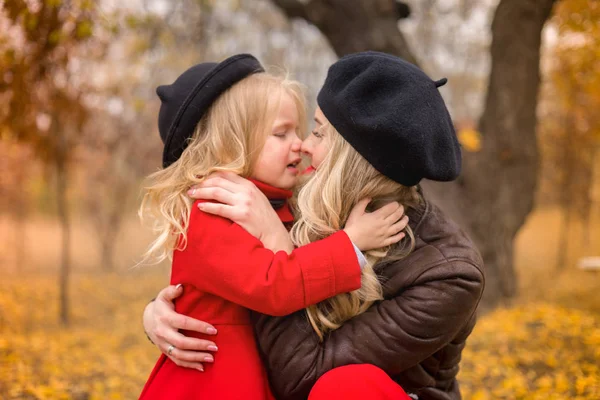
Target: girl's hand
x: 162, y: 323
x: 377, y: 229
x: 242, y: 202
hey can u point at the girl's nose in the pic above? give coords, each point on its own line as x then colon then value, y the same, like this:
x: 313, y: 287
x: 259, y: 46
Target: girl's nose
x: 297, y: 145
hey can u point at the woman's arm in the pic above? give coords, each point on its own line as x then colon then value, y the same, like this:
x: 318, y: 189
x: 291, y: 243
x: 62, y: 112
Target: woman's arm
x: 162, y: 324
x: 393, y: 335
x: 239, y: 200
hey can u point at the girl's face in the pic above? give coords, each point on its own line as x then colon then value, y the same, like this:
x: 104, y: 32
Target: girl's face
x: 277, y: 164
x: 317, y: 145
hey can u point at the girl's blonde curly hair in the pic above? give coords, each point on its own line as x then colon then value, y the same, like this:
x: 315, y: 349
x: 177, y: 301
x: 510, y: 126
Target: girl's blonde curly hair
x: 229, y: 137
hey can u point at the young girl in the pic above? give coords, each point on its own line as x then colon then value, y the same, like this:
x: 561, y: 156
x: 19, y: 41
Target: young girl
x: 340, y: 177
x: 234, y: 117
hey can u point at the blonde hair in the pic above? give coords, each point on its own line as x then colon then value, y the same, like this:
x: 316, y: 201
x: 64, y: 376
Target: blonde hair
x: 229, y: 137
x: 343, y: 178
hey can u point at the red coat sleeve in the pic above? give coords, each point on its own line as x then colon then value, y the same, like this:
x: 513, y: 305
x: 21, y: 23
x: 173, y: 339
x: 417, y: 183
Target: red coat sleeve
x: 223, y: 259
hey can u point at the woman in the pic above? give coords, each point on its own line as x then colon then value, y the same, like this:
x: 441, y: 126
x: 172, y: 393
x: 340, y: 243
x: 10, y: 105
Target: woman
x: 391, y: 113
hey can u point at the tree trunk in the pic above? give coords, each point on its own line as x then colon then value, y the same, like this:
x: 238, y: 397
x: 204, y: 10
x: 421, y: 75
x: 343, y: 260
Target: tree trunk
x: 569, y: 155
x: 20, y: 218
x: 593, y: 178
x: 354, y: 26
x: 495, y: 193
x: 107, y: 251
x: 109, y: 225
x: 500, y: 181
x: 63, y: 215
x: 563, y: 243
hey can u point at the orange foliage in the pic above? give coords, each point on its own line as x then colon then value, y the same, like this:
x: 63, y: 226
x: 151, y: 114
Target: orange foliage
x: 569, y: 120
x: 39, y: 41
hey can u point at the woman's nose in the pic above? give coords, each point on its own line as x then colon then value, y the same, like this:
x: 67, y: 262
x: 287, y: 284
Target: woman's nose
x: 306, y: 147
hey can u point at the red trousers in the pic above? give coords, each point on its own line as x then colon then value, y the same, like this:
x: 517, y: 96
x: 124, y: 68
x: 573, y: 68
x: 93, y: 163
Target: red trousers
x: 359, y: 381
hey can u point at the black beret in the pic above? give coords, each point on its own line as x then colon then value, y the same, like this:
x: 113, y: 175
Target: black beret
x: 185, y: 101
x: 392, y: 113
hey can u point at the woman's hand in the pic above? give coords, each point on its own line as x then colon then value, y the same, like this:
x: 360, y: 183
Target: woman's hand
x: 162, y: 323
x: 242, y: 202
x: 380, y: 228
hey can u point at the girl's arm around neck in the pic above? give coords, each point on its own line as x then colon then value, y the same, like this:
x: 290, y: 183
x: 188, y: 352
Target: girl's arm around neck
x: 223, y: 259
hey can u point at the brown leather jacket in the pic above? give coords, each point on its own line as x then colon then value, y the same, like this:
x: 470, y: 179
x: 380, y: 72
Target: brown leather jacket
x: 416, y: 334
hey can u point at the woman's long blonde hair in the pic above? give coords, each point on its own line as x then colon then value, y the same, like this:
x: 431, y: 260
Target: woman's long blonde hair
x: 324, y: 203
x: 229, y: 137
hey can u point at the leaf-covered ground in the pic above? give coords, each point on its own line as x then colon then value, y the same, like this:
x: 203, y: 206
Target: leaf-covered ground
x: 531, y: 351
x: 534, y: 351
x: 103, y: 354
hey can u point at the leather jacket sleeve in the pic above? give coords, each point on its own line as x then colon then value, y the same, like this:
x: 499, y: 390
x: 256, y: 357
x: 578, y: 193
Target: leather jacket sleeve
x: 395, y: 334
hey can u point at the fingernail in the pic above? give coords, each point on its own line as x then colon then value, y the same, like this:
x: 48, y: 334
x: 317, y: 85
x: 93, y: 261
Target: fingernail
x: 201, y: 206
x: 211, y: 331
x: 200, y: 369
x: 212, y: 348
x: 208, y: 359
x: 178, y: 286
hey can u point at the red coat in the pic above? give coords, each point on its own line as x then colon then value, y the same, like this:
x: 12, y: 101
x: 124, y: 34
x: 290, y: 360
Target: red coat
x: 225, y: 271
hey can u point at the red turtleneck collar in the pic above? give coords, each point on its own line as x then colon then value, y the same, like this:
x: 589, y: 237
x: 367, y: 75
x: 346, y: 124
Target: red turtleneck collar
x: 273, y: 193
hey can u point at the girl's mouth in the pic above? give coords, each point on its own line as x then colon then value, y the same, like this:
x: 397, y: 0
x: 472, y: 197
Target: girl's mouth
x: 293, y: 167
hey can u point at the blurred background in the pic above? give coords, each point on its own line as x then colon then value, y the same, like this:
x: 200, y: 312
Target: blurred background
x: 78, y: 134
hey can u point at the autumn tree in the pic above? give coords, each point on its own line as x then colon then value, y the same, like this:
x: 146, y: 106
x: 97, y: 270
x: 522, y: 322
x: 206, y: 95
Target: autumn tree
x: 495, y: 192
x: 570, y: 124
x: 16, y: 169
x: 44, y: 107
x: 116, y: 154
